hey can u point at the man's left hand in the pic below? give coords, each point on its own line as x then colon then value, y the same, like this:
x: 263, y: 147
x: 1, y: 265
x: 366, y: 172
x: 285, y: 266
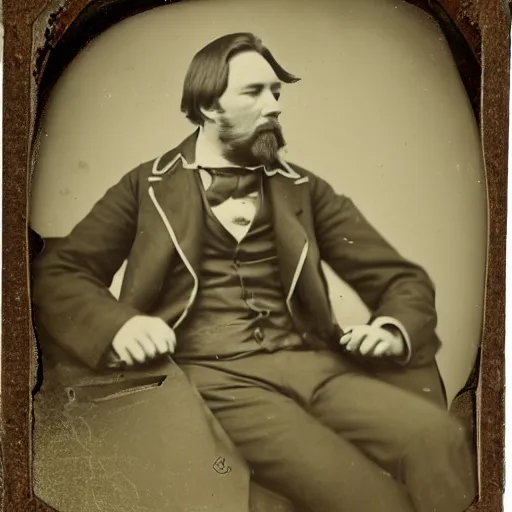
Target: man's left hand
x: 373, y: 341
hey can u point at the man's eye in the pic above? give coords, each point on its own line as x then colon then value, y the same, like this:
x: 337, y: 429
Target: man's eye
x: 252, y: 93
x: 277, y: 95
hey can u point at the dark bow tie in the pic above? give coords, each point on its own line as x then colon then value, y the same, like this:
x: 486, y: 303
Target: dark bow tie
x: 231, y: 182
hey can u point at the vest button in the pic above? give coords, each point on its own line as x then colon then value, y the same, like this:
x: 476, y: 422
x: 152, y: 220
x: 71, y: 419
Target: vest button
x: 258, y: 334
x: 305, y: 336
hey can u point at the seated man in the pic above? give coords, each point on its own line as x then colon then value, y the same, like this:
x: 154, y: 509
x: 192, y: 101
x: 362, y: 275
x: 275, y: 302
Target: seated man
x: 224, y: 241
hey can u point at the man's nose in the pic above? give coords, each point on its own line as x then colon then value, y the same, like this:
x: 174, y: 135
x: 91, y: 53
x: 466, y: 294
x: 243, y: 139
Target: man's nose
x: 270, y: 105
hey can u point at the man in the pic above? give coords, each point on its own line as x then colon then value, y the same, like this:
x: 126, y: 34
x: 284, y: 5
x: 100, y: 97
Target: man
x: 224, y: 241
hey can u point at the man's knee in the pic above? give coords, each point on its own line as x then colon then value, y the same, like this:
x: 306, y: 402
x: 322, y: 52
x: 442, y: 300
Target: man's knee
x: 436, y: 433
x: 439, y: 456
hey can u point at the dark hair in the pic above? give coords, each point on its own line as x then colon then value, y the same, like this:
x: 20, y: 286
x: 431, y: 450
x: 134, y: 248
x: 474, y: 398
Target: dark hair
x: 207, y: 75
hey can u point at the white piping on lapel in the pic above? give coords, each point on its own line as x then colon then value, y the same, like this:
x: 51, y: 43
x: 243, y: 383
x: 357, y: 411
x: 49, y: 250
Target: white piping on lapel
x: 182, y: 256
x: 292, y: 173
x: 285, y: 170
x: 158, y: 172
x: 296, y: 275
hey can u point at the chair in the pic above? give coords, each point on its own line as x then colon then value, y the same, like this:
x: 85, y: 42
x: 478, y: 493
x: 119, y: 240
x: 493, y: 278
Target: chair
x: 104, y: 436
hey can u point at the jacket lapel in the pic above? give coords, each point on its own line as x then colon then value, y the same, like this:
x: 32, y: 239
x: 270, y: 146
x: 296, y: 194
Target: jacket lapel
x: 292, y: 245
x: 170, y: 228
x: 177, y: 200
x: 298, y: 255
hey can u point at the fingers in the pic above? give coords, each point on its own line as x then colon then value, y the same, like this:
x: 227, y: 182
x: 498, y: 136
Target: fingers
x: 383, y: 348
x: 354, y: 337
x: 142, y: 339
x: 366, y: 340
x: 131, y: 351
x: 138, y: 349
x: 170, y: 340
x: 124, y: 355
x: 162, y: 337
x: 148, y: 345
x: 347, y: 336
x: 370, y: 342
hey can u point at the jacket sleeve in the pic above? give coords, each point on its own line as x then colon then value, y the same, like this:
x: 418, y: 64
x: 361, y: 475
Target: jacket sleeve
x: 391, y: 287
x: 71, y: 280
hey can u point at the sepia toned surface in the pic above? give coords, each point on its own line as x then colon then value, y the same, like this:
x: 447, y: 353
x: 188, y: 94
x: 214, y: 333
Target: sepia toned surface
x: 406, y: 151
x: 493, y: 127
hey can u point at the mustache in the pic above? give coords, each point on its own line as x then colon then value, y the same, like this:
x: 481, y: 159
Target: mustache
x: 272, y: 125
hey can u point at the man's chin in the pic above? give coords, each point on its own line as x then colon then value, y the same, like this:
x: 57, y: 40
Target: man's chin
x: 265, y: 148
x: 260, y: 149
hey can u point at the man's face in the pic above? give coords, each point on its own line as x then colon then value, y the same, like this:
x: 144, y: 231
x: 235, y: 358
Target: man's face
x: 247, y: 122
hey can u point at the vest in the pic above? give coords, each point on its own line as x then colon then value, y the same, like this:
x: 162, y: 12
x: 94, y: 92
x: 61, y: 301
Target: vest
x: 240, y: 307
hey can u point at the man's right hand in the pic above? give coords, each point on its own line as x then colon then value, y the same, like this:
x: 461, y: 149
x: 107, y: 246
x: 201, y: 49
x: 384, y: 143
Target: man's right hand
x: 143, y: 338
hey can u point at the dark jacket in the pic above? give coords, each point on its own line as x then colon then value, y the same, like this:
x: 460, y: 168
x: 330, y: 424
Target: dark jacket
x: 153, y: 218
x: 88, y: 417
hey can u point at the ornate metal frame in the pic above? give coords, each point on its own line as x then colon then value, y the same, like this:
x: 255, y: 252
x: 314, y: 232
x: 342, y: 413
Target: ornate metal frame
x: 43, y: 36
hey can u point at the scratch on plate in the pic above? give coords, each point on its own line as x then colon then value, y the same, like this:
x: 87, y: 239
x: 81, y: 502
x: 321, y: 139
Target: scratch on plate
x: 94, y: 497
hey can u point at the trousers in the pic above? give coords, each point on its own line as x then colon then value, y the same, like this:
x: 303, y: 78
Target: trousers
x: 316, y: 428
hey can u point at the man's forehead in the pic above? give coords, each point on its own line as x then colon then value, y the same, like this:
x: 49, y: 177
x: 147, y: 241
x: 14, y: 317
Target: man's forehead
x: 249, y: 68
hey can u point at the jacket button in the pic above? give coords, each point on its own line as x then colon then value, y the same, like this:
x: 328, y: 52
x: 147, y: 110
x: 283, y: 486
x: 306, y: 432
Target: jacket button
x: 258, y: 334
x: 305, y: 336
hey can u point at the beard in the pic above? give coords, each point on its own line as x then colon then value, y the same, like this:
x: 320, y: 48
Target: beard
x: 261, y: 147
